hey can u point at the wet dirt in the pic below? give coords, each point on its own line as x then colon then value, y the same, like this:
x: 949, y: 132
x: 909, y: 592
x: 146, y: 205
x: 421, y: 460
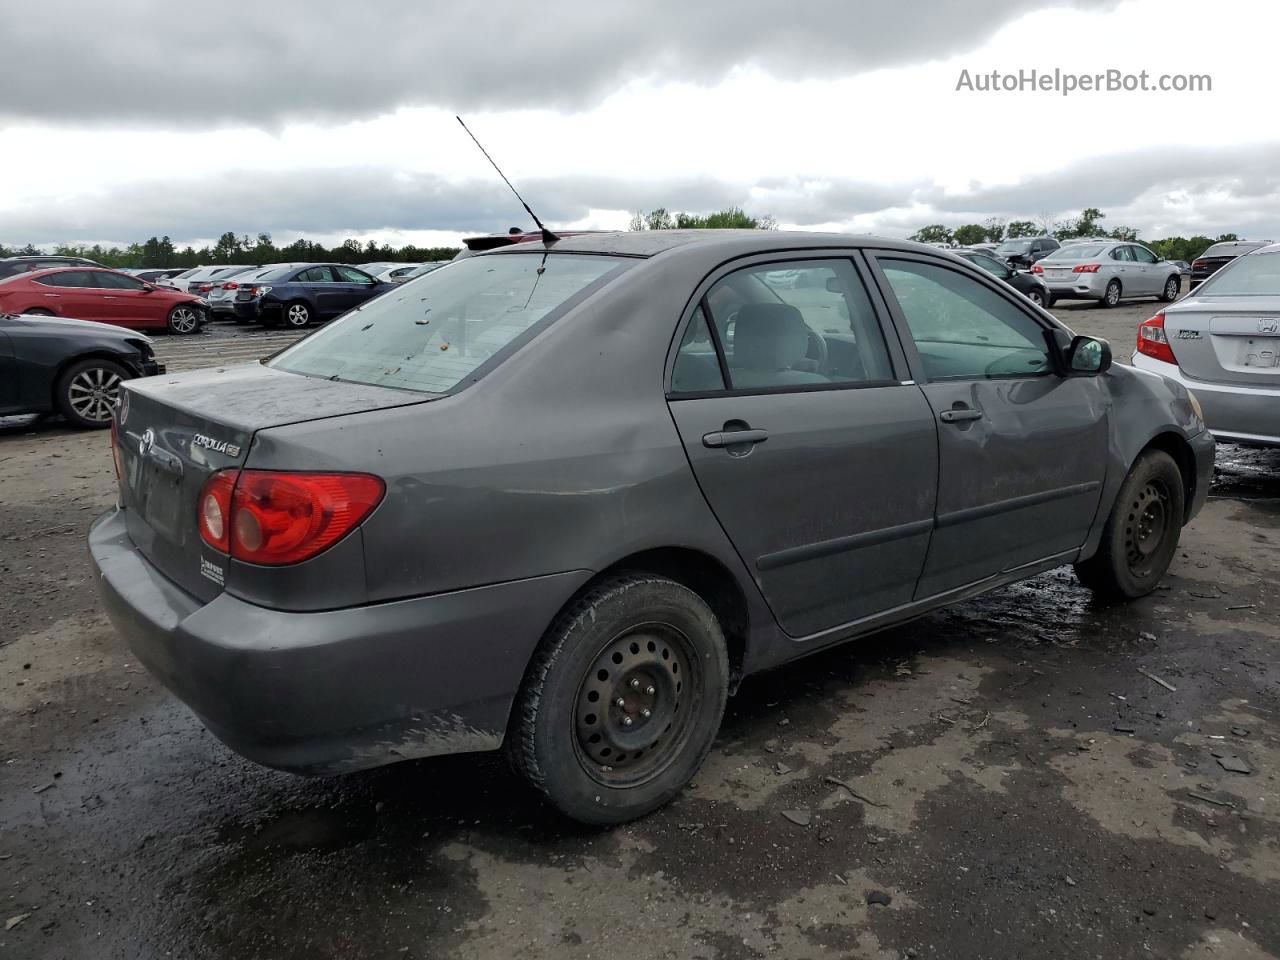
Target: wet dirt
x: 1012, y: 774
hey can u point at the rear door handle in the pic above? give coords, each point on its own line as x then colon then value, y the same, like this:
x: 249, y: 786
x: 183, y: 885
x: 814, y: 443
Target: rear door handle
x: 959, y: 416
x: 731, y: 438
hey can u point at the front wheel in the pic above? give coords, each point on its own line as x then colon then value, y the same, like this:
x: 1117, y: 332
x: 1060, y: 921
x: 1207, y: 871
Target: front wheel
x: 87, y: 391
x: 183, y: 319
x: 622, y: 701
x: 1142, y: 530
x: 1037, y: 297
x: 1171, y: 288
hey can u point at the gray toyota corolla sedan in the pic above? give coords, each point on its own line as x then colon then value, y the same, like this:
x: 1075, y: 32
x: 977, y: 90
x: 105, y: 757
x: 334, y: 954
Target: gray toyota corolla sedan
x: 561, y: 498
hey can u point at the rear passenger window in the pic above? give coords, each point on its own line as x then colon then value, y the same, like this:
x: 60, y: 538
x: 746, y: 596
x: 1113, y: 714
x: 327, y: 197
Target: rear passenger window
x: 697, y: 367
x: 962, y: 329
x: 315, y: 275
x: 799, y: 323
x: 68, y: 278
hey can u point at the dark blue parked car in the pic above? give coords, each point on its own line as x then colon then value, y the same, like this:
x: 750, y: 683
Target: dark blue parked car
x: 297, y: 294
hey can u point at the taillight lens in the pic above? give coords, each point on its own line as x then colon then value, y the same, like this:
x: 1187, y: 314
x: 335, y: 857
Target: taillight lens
x: 206, y: 287
x: 273, y: 518
x: 1036, y: 268
x: 230, y: 285
x: 1152, y: 341
x: 215, y: 510
x: 1197, y: 263
x: 1086, y: 268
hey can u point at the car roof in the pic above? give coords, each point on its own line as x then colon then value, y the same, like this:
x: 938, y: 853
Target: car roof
x: 650, y: 243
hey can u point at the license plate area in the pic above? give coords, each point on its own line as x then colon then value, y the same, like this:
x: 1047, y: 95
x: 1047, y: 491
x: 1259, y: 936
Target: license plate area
x: 1260, y: 353
x: 159, y: 497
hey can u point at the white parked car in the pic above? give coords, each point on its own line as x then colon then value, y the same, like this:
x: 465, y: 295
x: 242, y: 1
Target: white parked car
x: 1108, y: 273
x: 1223, y: 343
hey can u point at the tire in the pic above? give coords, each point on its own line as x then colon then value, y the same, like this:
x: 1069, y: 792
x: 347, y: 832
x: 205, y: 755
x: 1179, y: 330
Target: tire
x: 86, y: 392
x: 656, y: 645
x: 1051, y: 301
x: 1038, y: 298
x: 1141, y: 533
x: 1172, y: 287
x: 296, y: 315
x: 38, y: 312
x: 1111, y: 296
x: 183, y: 320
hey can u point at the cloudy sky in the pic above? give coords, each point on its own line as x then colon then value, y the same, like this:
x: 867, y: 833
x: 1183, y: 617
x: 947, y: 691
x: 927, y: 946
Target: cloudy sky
x: 336, y: 119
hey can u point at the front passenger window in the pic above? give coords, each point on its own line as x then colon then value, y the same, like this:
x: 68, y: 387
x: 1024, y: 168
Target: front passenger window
x: 962, y: 329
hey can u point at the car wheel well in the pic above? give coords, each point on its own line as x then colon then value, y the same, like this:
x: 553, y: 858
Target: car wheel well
x: 91, y: 355
x: 1178, y: 448
x: 704, y: 575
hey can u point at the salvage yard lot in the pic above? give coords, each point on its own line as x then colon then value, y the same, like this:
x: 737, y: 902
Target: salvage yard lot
x: 1023, y: 775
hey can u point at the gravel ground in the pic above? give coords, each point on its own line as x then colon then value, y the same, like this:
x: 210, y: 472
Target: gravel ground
x: 1021, y: 781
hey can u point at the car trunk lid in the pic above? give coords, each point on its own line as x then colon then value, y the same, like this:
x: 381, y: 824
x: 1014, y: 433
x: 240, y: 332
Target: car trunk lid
x: 176, y: 432
x: 1228, y: 339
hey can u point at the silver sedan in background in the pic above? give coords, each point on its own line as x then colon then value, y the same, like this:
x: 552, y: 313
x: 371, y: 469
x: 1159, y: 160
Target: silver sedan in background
x: 1223, y: 343
x: 1108, y: 273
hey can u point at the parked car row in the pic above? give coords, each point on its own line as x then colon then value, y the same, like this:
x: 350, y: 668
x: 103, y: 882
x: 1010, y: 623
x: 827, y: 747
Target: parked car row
x: 102, y: 295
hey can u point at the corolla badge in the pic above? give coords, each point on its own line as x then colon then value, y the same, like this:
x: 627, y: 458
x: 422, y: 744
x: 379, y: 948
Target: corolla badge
x: 1269, y: 325
x: 217, y: 446
x: 146, y: 442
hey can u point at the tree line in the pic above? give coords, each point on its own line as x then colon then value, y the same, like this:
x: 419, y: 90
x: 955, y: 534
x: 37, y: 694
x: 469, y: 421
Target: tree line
x: 162, y: 252
x: 1088, y: 224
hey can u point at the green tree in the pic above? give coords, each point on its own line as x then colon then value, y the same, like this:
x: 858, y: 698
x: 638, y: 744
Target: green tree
x: 731, y: 218
x: 1088, y: 224
x: 995, y: 229
x: 969, y: 234
x: 1021, y: 228
x: 933, y: 233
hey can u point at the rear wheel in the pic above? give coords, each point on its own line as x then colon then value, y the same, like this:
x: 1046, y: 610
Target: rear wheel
x: 1037, y: 297
x: 1141, y: 534
x: 622, y: 701
x: 1111, y: 296
x: 183, y: 319
x: 87, y: 391
x: 1171, y: 288
x: 297, y: 314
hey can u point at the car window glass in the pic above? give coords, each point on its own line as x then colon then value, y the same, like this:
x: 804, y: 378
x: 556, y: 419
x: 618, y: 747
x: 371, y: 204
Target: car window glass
x: 1252, y: 275
x: 1143, y: 255
x: 963, y: 330
x: 351, y: 275
x: 68, y: 278
x: 1121, y: 253
x: 116, y: 281
x: 697, y: 367
x: 993, y: 267
x: 797, y: 323
x: 315, y: 275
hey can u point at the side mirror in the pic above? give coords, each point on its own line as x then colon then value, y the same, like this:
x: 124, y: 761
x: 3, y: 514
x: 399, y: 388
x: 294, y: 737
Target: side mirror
x: 1088, y: 356
x: 147, y: 287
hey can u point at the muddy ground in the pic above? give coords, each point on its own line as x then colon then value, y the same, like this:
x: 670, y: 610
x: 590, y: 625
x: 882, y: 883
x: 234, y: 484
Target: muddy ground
x: 1020, y: 783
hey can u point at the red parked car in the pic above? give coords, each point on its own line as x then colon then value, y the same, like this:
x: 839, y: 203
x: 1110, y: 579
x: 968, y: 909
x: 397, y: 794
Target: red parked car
x: 94, y: 293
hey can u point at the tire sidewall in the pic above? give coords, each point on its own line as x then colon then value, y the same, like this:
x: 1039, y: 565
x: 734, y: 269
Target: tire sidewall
x: 1106, y: 294
x: 62, y: 399
x: 558, y: 764
x: 284, y: 315
x: 1168, y: 297
x: 182, y: 333
x: 1154, y: 464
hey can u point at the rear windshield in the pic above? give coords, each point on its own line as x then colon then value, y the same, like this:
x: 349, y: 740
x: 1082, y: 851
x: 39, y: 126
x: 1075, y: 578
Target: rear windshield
x: 433, y: 332
x: 1233, y: 249
x: 1078, y: 251
x: 1252, y: 275
x: 1014, y: 246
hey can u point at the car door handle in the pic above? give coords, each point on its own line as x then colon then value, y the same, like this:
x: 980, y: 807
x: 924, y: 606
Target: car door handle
x: 959, y: 415
x: 732, y: 438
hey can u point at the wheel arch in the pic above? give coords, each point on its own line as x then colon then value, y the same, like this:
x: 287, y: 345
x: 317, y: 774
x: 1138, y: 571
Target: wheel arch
x: 1177, y: 447
x: 702, y: 573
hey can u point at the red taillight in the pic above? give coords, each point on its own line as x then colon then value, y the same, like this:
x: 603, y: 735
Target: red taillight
x: 230, y: 285
x: 1197, y: 263
x: 1152, y: 341
x: 273, y: 519
x: 1036, y: 268
x: 1086, y: 268
x: 214, y: 510
x: 206, y: 287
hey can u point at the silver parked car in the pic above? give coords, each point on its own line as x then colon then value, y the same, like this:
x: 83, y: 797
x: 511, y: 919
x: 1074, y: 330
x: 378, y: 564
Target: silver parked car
x: 222, y: 291
x: 559, y: 497
x: 1108, y: 273
x: 1223, y: 343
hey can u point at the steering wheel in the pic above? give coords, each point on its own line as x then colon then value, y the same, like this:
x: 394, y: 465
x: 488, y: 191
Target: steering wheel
x: 816, y: 352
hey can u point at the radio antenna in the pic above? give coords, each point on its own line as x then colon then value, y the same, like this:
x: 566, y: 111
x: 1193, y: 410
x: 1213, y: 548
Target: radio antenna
x: 547, y: 235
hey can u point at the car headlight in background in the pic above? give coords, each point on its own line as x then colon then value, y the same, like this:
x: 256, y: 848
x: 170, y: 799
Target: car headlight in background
x: 1195, y: 406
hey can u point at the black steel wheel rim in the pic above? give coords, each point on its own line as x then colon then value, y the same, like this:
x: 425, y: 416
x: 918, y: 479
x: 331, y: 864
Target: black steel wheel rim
x: 635, y: 707
x: 1146, y: 527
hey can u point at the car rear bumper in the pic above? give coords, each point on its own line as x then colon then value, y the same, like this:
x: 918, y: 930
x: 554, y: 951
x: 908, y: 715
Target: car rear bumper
x: 1233, y: 412
x: 1081, y: 286
x: 329, y: 692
